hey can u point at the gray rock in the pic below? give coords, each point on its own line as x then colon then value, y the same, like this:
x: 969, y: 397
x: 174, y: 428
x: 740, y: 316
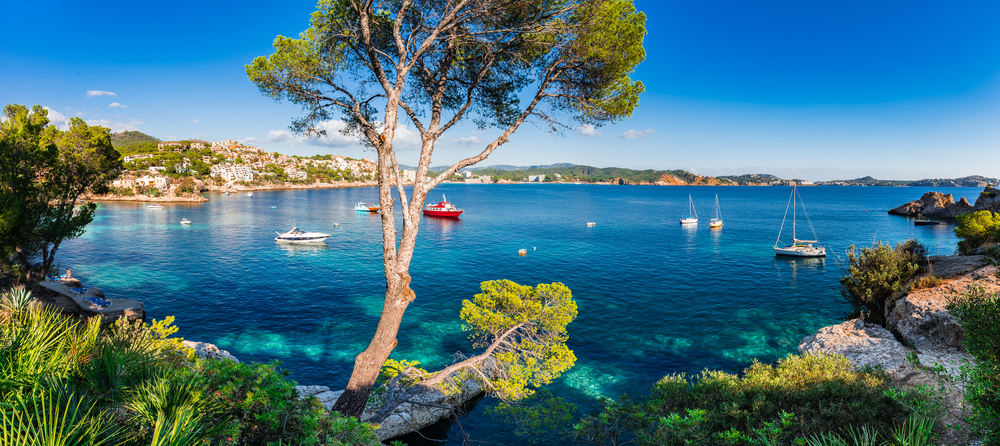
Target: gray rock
x: 934, y: 205
x: 329, y: 398
x: 306, y: 391
x: 862, y: 343
x: 205, y: 350
x: 427, y: 408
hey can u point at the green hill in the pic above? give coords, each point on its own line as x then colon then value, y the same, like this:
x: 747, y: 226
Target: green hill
x: 131, y: 138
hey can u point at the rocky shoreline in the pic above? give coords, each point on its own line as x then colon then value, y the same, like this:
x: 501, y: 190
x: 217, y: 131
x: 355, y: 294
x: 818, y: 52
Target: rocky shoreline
x: 922, y: 339
x: 939, y: 205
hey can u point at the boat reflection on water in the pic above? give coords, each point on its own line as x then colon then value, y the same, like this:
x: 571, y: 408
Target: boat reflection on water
x: 293, y: 248
x: 440, y: 225
x: 794, y: 265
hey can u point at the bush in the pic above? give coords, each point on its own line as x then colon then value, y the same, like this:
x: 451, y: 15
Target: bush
x: 977, y: 229
x: 928, y: 281
x: 877, y: 272
x: 979, y: 314
x: 802, y: 396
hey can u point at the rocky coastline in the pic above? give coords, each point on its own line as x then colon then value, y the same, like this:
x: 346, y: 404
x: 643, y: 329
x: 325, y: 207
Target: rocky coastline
x: 939, y: 205
x: 922, y: 338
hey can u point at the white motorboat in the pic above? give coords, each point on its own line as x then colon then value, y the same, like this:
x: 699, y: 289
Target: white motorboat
x: 250, y: 194
x: 717, y: 221
x: 227, y: 193
x: 692, y: 218
x: 798, y: 248
x: 296, y: 235
x: 154, y: 206
x: 185, y: 221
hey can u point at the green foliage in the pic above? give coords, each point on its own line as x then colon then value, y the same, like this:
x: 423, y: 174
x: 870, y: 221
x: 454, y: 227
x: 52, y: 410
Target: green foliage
x: 532, y: 321
x: 46, y: 417
x: 802, y: 396
x: 187, y: 186
x: 16, y: 299
x: 976, y: 230
x: 979, y: 314
x: 928, y: 281
x: 129, y: 139
x: 877, y: 272
x: 45, y: 171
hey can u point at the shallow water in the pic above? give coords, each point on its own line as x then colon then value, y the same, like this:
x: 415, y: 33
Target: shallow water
x: 654, y: 297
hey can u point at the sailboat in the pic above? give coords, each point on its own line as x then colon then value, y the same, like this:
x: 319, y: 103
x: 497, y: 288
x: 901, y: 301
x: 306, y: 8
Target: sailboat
x: 692, y: 218
x: 717, y: 221
x: 798, y: 248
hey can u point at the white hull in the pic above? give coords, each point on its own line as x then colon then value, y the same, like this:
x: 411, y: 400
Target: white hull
x: 715, y: 224
x: 311, y: 240
x: 800, y: 251
x: 689, y: 221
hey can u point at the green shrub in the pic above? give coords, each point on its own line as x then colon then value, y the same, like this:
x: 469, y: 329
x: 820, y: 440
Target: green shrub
x: 976, y: 230
x: 802, y: 396
x: 979, y: 314
x: 877, y: 272
x: 928, y: 281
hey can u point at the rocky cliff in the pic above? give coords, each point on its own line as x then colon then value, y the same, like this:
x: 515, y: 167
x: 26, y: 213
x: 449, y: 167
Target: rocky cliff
x: 938, y: 205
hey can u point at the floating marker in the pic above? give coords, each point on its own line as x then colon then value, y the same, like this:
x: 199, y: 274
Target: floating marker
x: 522, y: 252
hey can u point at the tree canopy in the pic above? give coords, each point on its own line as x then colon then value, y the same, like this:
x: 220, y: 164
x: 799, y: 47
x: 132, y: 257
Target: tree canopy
x: 45, y: 172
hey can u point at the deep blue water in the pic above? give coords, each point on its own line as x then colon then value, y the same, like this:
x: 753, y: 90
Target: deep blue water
x: 654, y: 297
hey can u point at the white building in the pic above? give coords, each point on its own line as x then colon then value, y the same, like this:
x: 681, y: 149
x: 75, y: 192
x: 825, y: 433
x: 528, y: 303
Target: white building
x: 239, y: 172
x: 409, y: 176
x: 130, y: 158
x: 536, y: 178
x: 146, y: 181
x: 224, y: 144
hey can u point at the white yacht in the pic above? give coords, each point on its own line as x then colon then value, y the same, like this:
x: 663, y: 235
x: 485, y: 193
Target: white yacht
x: 250, y: 194
x: 692, y: 218
x: 296, y: 235
x: 798, y: 248
x: 185, y: 221
x: 154, y: 206
x: 716, y: 222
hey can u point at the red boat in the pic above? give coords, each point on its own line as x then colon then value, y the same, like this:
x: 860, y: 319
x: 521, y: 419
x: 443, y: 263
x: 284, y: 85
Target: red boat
x: 443, y: 209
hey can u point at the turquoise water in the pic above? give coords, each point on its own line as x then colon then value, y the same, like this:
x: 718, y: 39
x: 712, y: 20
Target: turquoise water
x: 654, y: 297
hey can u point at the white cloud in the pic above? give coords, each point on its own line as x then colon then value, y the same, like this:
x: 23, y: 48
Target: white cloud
x: 202, y: 135
x: 588, y: 130
x: 116, y: 126
x: 194, y: 120
x: 92, y: 93
x: 405, y: 138
x: 468, y: 141
x: 57, y: 119
x: 636, y: 134
x: 115, y: 104
x: 81, y: 113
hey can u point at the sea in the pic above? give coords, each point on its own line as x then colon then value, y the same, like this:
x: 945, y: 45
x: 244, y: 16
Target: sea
x: 654, y: 297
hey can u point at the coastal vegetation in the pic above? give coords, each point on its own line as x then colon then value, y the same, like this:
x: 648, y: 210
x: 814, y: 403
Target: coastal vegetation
x: 979, y: 314
x: 814, y: 399
x: 70, y: 381
x: 128, y: 138
x: 875, y: 273
x: 45, y: 173
x: 438, y: 64
x: 977, y: 230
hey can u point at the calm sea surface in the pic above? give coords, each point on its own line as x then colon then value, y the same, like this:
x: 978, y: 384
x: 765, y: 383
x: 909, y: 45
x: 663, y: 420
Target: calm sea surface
x: 654, y: 297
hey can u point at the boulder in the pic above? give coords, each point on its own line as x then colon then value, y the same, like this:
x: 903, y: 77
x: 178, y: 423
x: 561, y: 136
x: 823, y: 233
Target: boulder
x: 205, y: 350
x: 862, y: 343
x: 934, y: 205
x: 989, y: 200
x: 427, y: 408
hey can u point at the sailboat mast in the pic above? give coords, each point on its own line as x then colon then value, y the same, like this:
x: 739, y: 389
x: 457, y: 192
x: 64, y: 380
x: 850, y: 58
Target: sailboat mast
x: 793, y: 214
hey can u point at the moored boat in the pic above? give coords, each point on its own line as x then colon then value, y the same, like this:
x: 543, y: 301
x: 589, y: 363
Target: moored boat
x: 155, y: 206
x: 185, y: 221
x: 250, y: 194
x: 926, y: 222
x: 717, y: 221
x: 692, y: 218
x: 366, y: 207
x: 296, y: 235
x: 798, y: 248
x: 442, y: 209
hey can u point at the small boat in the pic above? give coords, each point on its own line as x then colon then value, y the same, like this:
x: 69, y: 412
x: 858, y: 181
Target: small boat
x: 926, y: 222
x: 692, y: 218
x: 366, y: 207
x: 296, y: 235
x: 227, y: 193
x: 274, y: 207
x: 185, y: 221
x: 717, y: 221
x: 798, y: 248
x: 442, y: 209
x: 249, y: 194
x: 154, y: 206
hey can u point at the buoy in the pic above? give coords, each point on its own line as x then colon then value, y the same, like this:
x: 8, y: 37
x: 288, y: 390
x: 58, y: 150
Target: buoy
x: 522, y: 252
x: 534, y: 248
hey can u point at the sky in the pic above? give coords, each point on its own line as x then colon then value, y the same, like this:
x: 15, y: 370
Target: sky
x: 817, y: 90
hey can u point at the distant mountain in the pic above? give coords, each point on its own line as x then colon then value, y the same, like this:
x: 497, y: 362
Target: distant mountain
x: 131, y: 138
x: 496, y: 167
x: 969, y: 181
x: 751, y: 178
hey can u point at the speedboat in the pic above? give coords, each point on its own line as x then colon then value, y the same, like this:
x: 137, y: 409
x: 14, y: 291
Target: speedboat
x: 366, y: 207
x: 442, y: 209
x: 296, y: 235
x: 249, y: 194
x: 926, y: 222
x: 185, y: 221
x: 227, y: 193
x: 154, y: 206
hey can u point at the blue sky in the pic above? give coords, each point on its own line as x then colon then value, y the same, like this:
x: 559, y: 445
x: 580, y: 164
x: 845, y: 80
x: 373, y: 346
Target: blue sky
x: 816, y: 90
